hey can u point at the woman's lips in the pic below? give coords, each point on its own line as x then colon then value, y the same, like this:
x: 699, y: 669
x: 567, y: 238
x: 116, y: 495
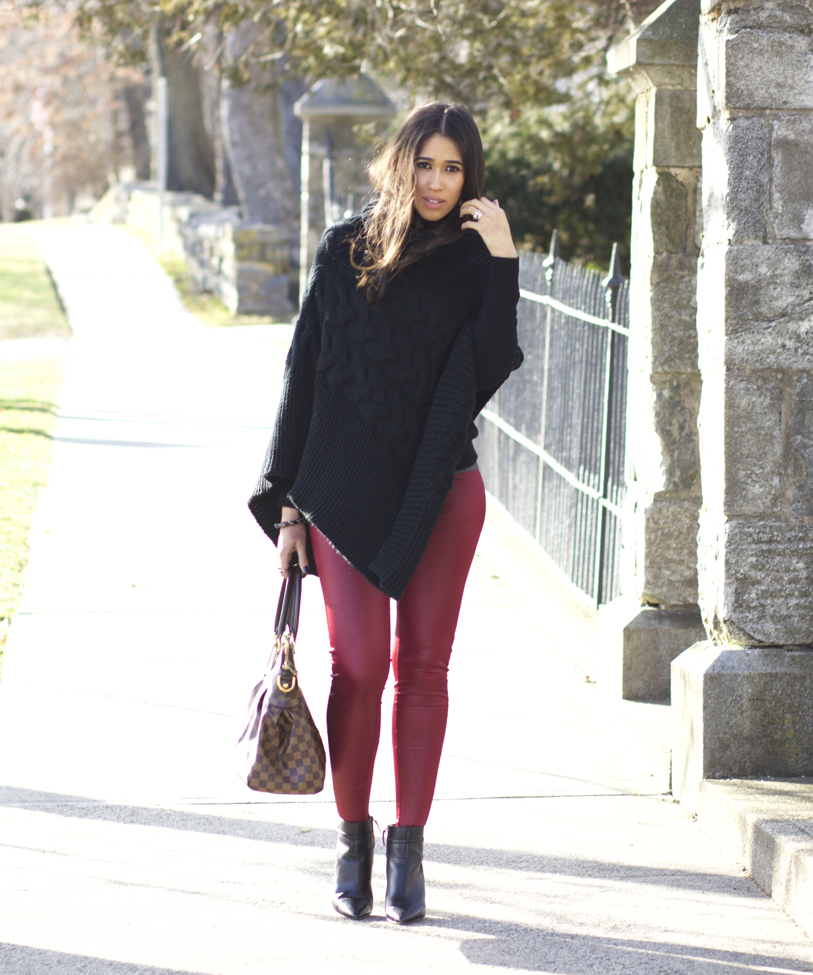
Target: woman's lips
x: 432, y: 203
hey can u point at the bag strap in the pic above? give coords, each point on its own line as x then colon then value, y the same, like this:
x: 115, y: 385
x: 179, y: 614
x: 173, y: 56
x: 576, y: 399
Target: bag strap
x: 290, y: 597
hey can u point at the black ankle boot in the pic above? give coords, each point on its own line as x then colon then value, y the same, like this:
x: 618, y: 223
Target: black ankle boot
x: 354, y: 869
x: 405, y: 888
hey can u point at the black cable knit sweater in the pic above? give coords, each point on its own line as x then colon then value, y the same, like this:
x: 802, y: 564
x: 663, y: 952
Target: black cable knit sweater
x: 378, y: 400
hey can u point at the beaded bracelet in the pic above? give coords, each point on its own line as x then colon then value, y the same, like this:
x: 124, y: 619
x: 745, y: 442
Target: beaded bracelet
x: 287, y: 524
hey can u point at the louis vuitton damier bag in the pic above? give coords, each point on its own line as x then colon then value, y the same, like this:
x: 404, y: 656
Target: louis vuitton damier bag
x: 280, y: 749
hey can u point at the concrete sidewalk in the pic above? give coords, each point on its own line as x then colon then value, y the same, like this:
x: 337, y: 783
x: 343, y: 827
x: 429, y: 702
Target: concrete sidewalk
x: 128, y: 844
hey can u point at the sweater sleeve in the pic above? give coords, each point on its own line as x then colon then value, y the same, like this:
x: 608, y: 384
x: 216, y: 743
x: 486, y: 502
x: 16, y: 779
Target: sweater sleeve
x: 292, y: 424
x: 495, y: 331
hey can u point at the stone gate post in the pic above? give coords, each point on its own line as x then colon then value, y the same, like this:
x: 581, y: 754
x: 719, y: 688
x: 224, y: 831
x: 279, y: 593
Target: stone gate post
x: 657, y: 616
x: 334, y: 180
x: 743, y: 699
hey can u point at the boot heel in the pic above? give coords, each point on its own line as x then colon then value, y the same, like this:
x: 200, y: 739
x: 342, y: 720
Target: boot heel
x: 353, y: 895
x: 406, y: 898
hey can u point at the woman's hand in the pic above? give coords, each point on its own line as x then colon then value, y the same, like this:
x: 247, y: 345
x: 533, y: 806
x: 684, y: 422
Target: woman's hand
x: 292, y: 539
x: 492, y: 226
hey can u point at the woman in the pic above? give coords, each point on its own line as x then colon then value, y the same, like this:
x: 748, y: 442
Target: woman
x: 407, y: 327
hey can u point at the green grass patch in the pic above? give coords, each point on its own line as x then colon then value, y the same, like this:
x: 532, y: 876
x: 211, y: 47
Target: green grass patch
x: 207, y: 307
x: 29, y: 304
x: 29, y: 307
x: 28, y: 397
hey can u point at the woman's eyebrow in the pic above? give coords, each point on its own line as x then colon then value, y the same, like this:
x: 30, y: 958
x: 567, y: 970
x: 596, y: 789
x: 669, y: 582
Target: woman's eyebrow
x: 432, y: 159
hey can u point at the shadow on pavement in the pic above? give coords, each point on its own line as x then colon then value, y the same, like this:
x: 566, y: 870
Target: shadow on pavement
x: 519, y: 946
x: 21, y: 960
x: 268, y: 831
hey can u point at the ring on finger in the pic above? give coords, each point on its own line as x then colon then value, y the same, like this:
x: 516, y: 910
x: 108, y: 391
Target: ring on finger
x: 476, y: 215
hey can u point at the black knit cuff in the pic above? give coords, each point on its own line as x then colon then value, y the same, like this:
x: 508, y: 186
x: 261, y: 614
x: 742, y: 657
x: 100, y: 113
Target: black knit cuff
x: 503, y: 279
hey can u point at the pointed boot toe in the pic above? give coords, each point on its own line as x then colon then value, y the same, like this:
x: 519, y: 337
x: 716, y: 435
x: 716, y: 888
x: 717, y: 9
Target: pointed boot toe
x: 353, y: 894
x: 353, y: 907
x: 406, y: 900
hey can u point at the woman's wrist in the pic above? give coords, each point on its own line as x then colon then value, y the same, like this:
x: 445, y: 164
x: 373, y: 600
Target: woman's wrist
x: 504, y: 249
x: 291, y: 518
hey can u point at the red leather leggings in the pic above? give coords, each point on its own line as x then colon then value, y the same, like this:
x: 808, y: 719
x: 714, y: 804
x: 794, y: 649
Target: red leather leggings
x: 358, y: 619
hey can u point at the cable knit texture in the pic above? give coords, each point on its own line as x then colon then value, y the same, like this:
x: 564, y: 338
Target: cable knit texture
x: 378, y: 400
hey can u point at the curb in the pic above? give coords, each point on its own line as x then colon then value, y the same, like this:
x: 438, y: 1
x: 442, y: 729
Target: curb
x: 766, y: 825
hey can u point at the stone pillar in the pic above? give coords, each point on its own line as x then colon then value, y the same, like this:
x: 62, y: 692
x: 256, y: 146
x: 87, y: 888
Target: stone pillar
x: 657, y: 618
x: 334, y: 180
x: 742, y: 699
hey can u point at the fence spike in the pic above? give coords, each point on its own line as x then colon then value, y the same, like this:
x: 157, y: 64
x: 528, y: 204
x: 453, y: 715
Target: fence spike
x: 553, y: 256
x: 612, y: 283
x: 614, y: 278
x: 553, y: 251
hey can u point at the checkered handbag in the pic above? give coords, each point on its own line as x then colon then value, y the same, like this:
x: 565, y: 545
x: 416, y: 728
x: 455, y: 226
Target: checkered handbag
x: 280, y: 749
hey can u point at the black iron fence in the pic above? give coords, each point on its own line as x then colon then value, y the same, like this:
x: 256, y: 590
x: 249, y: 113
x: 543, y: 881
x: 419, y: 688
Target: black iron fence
x: 551, y: 448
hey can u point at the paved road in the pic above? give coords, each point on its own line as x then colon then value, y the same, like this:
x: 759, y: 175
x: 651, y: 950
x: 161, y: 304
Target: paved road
x: 128, y: 845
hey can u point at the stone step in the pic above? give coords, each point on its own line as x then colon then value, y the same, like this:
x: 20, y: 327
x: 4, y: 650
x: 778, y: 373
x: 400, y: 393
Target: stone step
x: 767, y: 826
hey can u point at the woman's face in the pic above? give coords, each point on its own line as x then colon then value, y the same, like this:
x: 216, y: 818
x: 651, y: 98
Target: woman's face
x: 438, y: 177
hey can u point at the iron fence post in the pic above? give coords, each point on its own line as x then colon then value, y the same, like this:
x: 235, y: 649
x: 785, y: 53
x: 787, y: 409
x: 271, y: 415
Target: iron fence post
x: 549, y: 264
x: 611, y: 284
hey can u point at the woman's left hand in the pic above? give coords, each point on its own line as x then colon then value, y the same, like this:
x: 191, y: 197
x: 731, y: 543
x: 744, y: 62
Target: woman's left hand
x: 492, y: 226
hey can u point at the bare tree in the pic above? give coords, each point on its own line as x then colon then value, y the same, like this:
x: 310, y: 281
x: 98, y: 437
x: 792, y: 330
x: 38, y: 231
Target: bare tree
x: 65, y: 128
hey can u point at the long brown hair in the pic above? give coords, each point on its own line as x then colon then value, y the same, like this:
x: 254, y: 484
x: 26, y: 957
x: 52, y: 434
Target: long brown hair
x: 394, y: 234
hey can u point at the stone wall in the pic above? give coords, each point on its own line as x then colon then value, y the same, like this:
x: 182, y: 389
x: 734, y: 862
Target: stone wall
x: 755, y: 322
x: 742, y: 699
x: 246, y: 264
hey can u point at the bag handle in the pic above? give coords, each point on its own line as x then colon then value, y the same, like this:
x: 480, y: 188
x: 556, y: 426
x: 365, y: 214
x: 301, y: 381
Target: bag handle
x: 290, y: 597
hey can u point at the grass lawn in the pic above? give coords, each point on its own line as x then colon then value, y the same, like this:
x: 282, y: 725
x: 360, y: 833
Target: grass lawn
x: 29, y: 306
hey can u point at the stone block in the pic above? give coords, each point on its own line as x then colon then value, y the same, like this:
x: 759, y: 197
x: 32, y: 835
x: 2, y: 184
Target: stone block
x: 641, y: 642
x: 673, y: 314
x: 774, y: 14
x: 768, y: 306
x: 669, y: 213
x: 258, y: 291
x: 258, y: 244
x: 792, y: 184
x: 663, y: 316
x: 740, y: 713
x: 674, y: 404
x: 801, y: 463
x: 665, y: 131
x: 735, y: 197
x: 785, y: 344
x: 767, y: 69
x: 663, y: 446
x: 667, y: 573
x: 753, y: 444
x: 754, y: 580
x: 662, y: 52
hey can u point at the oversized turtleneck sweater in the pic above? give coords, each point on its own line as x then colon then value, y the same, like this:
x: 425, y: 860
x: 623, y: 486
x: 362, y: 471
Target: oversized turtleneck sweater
x: 379, y: 399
